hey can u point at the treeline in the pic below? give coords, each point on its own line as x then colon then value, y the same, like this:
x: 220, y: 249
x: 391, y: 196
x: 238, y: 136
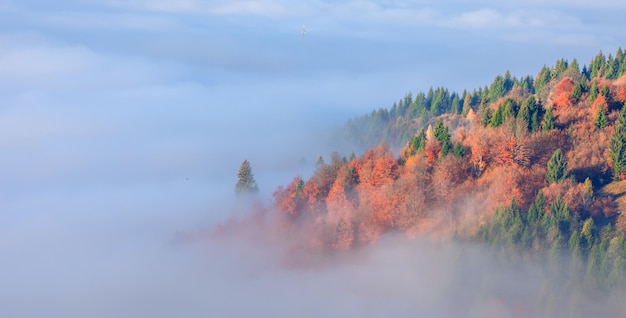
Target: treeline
x: 396, y: 125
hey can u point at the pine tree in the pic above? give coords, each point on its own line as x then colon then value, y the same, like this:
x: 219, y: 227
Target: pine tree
x: 246, y: 183
x: 557, y: 167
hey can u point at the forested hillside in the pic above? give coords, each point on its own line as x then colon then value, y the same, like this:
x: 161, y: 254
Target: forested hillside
x: 396, y: 125
x: 534, y: 166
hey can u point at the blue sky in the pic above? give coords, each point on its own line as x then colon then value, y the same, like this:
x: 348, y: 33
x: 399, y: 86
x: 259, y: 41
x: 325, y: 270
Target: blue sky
x: 122, y: 122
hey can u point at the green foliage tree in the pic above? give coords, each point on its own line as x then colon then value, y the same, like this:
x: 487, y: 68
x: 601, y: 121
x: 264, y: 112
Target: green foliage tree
x: 617, y: 146
x: 529, y: 112
x: 458, y: 150
x: 557, y: 167
x: 561, y: 213
x: 578, y: 90
x: 441, y: 133
x: 597, y: 65
x: 498, y: 118
x: 535, y: 211
x: 587, y: 232
x: 498, y: 88
x: 246, y: 183
x: 601, y: 119
x: 593, y: 91
x: 418, y: 142
x: 548, y: 120
x: 485, y: 115
x: 542, y: 78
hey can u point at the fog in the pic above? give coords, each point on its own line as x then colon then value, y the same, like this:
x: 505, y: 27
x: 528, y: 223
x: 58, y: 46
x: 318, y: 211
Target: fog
x: 123, y: 123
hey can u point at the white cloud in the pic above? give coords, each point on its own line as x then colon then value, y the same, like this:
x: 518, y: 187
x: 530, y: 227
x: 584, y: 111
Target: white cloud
x: 256, y: 8
x: 113, y: 21
x: 491, y: 18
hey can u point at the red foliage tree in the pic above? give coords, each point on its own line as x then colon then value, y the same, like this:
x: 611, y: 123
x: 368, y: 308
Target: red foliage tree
x: 562, y: 93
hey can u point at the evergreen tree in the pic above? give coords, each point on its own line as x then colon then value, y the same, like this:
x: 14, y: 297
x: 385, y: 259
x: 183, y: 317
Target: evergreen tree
x: 418, y: 142
x: 587, y: 232
x: 557, y: 167
x: 617, y: 146
x: 542, y: 78
x: 498, y: 118
x: 593, y: 91
x: 458, y: 150
x: 441, y: 133
x: 485, y: 115
x: 536, y: 209
x: 597, y: 66
x: 246, y: 183
x: 548, y: 120
x: 561, y: 213
x: 577, y: 92
x: 601, y: 120
x: 497, y: 89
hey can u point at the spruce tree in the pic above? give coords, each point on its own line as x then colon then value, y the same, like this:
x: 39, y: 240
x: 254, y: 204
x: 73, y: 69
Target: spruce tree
x: 498, y: 118
x: 557, y: 167
x: 441, y: 133
x: 245, y: 183
x: 548, y: 120
x: 601, y: 120
x: 617, y: 146
x: 593, y: 91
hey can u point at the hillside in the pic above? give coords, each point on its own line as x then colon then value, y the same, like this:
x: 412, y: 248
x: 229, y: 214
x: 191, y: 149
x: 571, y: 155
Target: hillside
x: 531, y: 165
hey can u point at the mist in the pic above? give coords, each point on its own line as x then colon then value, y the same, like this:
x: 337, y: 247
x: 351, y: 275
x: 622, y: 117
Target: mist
x: 123, y: 124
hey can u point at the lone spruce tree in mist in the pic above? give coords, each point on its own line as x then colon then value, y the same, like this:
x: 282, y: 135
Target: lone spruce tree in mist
x: 246, y: 183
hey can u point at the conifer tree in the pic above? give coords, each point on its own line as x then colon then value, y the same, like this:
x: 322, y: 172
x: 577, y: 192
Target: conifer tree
x: 557, y: 167
x: 578, y: 90
x: 441, y: 133
x: 498, y: 117
x: 601, y: 120
x: 548, y: 120
x: 245, y: 183
x: 617, y: 146
x: 593, y: 91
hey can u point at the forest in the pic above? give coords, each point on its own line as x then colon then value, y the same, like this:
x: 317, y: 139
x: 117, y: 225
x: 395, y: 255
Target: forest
x: 534, y: 168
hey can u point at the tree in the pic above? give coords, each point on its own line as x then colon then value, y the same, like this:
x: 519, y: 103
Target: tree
x: 557, y: 167
x: 498, y: 117
x: 617, y: 147
x: 245, y: 183
x: 443, y: 136
x: 343, y: 235
x: 542, y: 78
x: 548, y: 120
x: 601, y: 120
x: 593, y: 91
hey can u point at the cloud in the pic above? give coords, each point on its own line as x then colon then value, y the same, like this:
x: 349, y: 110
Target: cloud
x: 254, y: 8
x: 520, y: 20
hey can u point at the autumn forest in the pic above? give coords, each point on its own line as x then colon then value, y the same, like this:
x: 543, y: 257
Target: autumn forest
x: 534, y: 168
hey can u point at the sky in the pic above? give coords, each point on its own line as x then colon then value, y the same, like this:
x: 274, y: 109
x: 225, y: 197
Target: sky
x: 124, y: 122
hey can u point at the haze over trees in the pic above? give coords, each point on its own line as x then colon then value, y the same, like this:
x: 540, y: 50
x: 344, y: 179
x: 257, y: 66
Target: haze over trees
x: 533, y: 167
